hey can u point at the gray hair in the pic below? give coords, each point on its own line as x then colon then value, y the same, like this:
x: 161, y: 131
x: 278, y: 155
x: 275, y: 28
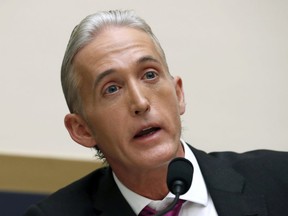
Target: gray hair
x: 82, y: 35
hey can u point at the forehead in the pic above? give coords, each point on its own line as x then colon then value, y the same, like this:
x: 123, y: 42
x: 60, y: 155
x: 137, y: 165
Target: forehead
x: 115, y: 42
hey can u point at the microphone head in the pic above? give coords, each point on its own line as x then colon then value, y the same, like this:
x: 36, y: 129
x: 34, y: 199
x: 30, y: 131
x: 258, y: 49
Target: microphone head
x: 179, y: 176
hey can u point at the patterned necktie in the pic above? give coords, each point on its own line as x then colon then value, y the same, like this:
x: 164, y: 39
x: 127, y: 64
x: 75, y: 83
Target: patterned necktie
x: 147, y: 211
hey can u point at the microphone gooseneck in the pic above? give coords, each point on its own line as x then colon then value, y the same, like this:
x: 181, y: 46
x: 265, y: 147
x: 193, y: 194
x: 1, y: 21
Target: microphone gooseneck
x: 179, y: 179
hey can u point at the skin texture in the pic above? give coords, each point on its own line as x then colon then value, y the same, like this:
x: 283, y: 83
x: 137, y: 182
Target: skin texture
x: 126, y: 88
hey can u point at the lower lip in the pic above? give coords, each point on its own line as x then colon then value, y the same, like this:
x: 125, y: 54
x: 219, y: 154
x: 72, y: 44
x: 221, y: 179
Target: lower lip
x: 149, y: 137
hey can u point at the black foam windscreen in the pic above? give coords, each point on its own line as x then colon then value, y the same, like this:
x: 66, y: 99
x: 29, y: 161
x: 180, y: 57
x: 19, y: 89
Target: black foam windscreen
x: 180, y: 172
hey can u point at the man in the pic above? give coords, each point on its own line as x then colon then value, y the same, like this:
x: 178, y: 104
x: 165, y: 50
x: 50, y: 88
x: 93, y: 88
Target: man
x: 124, y: 102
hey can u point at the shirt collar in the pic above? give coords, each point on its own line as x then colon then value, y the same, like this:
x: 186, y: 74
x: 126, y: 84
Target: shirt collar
x: 197, y: 193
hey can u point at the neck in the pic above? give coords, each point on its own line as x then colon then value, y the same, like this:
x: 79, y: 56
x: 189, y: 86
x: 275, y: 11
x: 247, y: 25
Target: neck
x: 150, y: 183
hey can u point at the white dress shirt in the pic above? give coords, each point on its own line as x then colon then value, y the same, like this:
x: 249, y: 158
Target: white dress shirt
x: 198, y: 200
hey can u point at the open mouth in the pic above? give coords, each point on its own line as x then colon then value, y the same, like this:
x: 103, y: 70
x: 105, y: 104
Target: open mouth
x: 147, y: 132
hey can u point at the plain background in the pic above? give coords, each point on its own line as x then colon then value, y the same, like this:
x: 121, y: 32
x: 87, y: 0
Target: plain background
x: 231, y: 54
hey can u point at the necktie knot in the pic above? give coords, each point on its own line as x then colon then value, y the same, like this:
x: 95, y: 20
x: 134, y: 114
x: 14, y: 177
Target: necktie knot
x: 147, y: 211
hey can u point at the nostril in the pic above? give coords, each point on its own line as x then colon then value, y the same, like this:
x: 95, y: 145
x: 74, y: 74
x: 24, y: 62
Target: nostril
x: 141, y: 110
x: 140, y: 107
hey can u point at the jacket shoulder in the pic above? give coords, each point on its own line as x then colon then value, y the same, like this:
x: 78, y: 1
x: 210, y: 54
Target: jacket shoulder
x: 267, y: 157
x: 74, y: 199
x: 255, y: 164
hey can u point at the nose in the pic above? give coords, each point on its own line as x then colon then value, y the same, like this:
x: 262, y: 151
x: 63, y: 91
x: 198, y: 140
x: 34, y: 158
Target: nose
x: 139, y: 103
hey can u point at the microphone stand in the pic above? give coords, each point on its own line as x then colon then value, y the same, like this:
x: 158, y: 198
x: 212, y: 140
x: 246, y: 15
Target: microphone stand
x: 169, y: 207
x: 177, y: 188
x: 179, y: 179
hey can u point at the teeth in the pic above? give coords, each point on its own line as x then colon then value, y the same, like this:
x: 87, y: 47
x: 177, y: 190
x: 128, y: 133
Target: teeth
x: 147, y: 129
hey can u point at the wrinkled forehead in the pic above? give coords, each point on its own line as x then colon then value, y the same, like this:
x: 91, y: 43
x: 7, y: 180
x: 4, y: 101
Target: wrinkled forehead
x: 113, y: 37
x: 118, y: 42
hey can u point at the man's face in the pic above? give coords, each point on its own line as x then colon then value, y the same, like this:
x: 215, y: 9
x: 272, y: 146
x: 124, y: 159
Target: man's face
x: 132, y: 104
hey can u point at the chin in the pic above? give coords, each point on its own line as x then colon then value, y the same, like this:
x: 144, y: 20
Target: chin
x: 163, y: 158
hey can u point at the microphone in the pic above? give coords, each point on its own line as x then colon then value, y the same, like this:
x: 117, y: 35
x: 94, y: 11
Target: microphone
x: 179, y: 179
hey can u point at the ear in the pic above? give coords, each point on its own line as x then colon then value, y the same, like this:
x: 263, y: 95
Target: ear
x: 180, y: 94
x: 79, y: 130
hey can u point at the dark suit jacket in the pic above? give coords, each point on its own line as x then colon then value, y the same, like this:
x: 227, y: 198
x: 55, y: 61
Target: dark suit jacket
x: 252, y: 183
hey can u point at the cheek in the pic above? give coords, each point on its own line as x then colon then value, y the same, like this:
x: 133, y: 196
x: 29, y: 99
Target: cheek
x: 111, y: 135
x: 109, y: 124
x: 172, y: 107
x: 170, y: 101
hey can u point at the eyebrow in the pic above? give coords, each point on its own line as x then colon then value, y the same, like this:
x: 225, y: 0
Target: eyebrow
x: 106, y: 73
x: 147, y: 58
x: 102, y: 75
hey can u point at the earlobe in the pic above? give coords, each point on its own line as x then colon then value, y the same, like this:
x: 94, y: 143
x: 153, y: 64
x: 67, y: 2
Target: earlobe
x: 79, y: 130
x: 180, y: 94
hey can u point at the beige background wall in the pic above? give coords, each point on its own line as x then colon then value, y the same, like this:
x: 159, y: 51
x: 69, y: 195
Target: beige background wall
x: 232, y: 55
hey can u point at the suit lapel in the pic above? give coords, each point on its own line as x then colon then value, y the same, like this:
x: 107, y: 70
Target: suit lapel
x: 108, y: 200
x: 230, y: 192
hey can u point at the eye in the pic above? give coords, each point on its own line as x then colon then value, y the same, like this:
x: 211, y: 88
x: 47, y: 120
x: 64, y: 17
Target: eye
x: 150, y: 75
x: 111, y: 89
